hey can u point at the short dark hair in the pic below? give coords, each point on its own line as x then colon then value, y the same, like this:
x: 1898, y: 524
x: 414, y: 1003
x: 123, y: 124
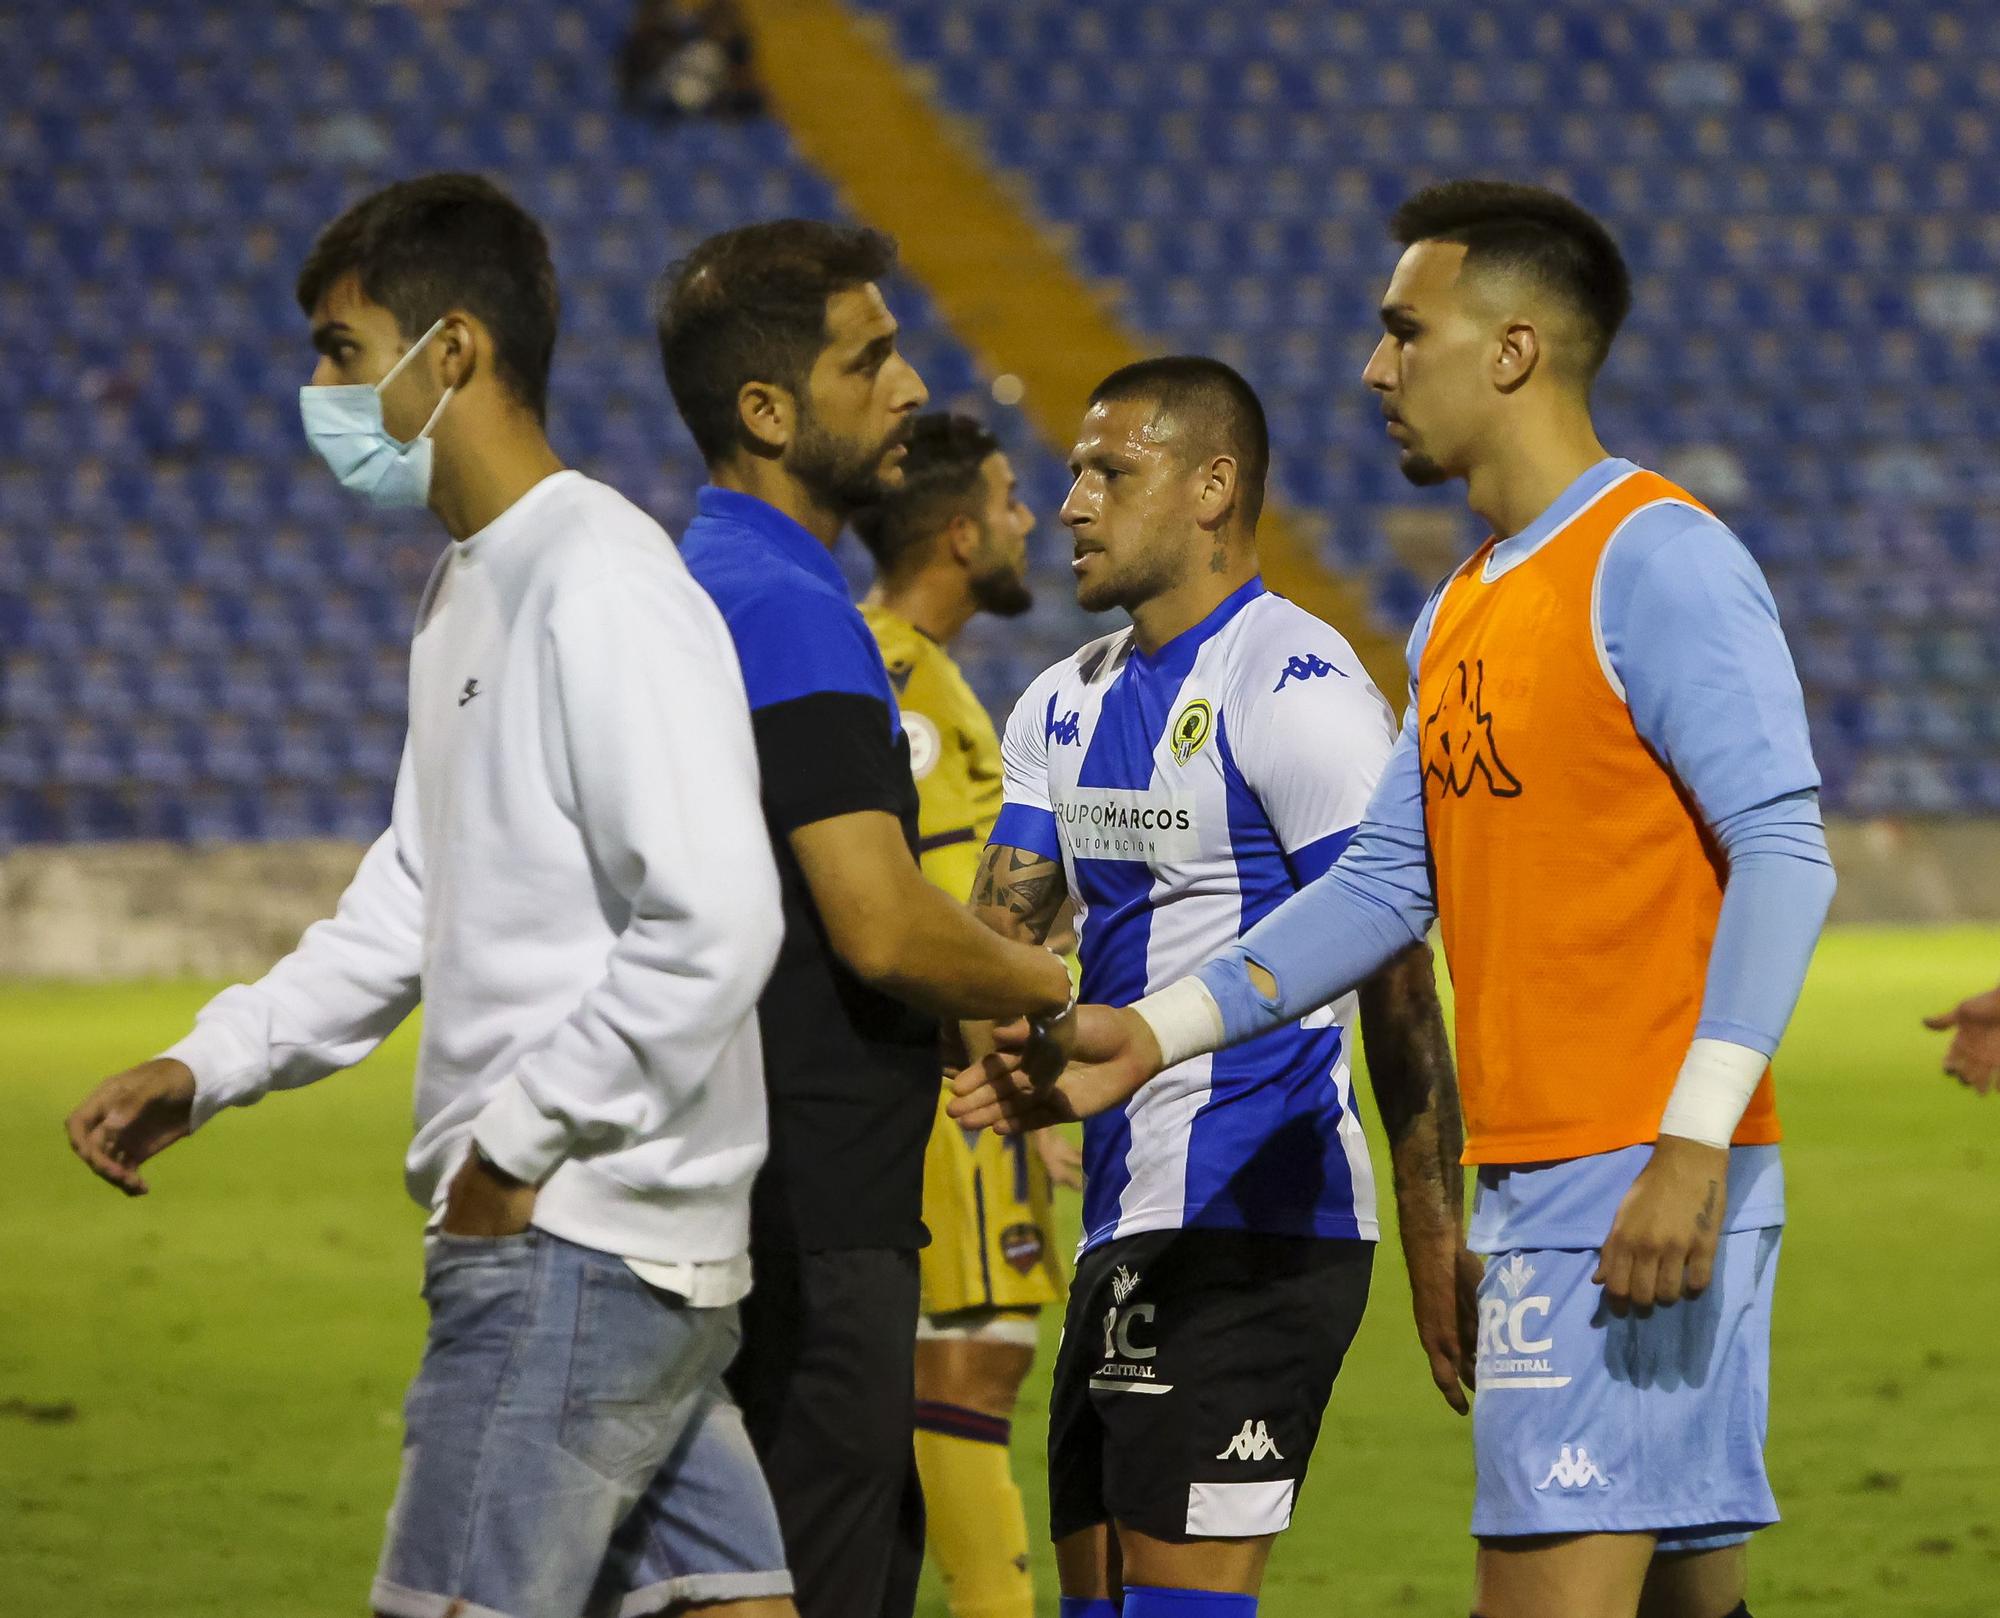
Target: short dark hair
x: 1207, y: 395
x: 1542, y: 233
x: 425, y: 246
x: 749, y: 305
x: 941, y: 480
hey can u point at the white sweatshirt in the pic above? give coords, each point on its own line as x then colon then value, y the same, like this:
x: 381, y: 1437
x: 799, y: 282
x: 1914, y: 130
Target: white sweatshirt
x: 577, y: 881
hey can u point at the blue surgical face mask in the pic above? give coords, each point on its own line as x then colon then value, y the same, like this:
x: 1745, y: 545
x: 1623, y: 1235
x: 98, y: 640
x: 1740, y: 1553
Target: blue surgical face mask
x: 344, y: 424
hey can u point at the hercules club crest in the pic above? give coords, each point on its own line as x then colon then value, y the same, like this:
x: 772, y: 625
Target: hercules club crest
x: 1191, y: 727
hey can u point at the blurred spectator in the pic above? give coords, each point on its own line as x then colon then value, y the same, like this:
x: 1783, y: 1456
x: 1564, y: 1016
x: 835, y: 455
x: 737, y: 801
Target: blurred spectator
x: 688, y: 59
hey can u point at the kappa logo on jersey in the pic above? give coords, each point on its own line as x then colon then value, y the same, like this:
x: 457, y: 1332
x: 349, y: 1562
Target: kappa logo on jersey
x: 1251, y: 1443
x: 1458, y: 739
x: 1511, y: 1353
x: 1064, y: 731
x: 471, y: 690
x: 1191, y: 727
x: 1309, y: 667
x: 1574, y: 1469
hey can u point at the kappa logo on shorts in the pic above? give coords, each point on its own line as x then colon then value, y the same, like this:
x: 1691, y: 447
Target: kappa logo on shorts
x: 1122, y: 1283
x: 1574, y: 1469
x: 1252, y: 1443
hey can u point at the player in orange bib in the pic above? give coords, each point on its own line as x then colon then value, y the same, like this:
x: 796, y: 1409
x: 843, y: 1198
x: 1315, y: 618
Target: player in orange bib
x: 1605, y: 797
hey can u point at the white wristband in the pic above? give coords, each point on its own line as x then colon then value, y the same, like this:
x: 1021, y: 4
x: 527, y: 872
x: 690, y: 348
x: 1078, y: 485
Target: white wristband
x: 1184, y: 1019
x: 1716, y: 1083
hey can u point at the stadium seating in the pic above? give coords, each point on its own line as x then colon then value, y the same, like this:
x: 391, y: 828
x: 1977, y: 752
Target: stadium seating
x: 1808, y: 195
x: 202, y: 636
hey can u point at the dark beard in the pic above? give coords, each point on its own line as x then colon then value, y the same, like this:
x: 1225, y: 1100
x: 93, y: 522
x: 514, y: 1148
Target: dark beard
x: 1421, y: 470
x: 840, y: 477
x: 1145, y: 577
x: 1003, y: 594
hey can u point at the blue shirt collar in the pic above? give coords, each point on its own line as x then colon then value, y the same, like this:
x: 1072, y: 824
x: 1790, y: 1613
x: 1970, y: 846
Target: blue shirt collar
x: 1177, y: 656
x: 782, y: 533
x: 1512, y: 552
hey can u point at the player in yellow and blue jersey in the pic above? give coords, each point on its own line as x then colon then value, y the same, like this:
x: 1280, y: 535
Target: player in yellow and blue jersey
x: 950, y: 543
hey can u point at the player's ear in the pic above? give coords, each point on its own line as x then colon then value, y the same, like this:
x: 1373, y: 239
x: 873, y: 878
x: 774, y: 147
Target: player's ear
x: 961, y: 538
x: 459, y: 349
x: 1216, y: 499
x: 768, y: 415
x: 1516, y: 355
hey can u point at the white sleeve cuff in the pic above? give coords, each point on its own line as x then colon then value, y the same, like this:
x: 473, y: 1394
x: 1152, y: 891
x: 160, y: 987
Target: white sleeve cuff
x: 517, y: 1137
x: 1184, y: 1019
x: 1715, y: 1086
x: 229, y: 1069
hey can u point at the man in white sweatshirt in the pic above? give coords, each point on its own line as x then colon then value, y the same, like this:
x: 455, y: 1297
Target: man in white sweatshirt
x: 577, y: 881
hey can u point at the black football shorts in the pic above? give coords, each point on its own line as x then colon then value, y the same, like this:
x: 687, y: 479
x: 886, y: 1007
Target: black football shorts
x: 1194, y: 1368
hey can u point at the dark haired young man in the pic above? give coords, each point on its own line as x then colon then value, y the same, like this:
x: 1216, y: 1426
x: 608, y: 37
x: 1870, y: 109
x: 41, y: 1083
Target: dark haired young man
x: 1605, y: 795
x: 949, y: 543
x: 781, y: 356
x: 1177, y: 779
x: 575, y: 883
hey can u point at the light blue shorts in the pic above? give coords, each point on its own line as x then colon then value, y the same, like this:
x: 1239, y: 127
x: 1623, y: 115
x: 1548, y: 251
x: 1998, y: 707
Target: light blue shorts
x: 569, y: 1449
x: 1588, y: 1423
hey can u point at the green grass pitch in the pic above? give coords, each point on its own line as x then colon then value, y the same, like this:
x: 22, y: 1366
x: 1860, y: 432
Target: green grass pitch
x: 199, y: 1391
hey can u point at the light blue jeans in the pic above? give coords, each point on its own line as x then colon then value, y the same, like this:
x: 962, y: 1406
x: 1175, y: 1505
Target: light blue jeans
x: 569, y: 1448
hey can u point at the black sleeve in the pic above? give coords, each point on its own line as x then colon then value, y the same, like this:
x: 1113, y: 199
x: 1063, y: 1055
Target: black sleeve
x: 829, y: 753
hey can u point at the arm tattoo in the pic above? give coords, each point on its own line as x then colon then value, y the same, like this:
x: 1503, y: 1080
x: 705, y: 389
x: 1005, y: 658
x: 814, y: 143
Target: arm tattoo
x: 1416, y: 1090
x: 1018, y: 892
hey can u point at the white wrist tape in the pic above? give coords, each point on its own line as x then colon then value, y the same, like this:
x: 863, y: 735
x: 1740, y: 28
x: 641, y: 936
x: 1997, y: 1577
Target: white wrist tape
x: 1716, y: 1083
x: 1184, y: 1018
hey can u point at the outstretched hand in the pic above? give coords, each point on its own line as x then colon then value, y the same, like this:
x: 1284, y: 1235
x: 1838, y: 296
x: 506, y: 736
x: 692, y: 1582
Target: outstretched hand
x: 1112, y: 1053
x: 1973, y: 1057
x: 131, y: 1117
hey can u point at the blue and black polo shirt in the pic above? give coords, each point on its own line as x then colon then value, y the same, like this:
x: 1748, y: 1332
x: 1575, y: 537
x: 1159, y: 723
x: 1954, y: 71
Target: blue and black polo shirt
x: 852, y: 1073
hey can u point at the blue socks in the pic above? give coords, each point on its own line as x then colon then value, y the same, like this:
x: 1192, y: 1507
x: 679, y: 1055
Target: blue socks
x: 1088, y: 1607
x: 1151, y: 1601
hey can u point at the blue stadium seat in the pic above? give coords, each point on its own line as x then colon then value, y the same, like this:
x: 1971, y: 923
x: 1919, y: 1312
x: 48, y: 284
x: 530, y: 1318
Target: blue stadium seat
x: 1781, y: 188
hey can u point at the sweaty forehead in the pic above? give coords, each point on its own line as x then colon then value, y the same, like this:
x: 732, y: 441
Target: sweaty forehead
x: 1133, y: 426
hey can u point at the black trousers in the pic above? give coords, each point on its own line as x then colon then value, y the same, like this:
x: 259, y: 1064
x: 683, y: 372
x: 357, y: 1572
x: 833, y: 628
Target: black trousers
x: 827, y: 1383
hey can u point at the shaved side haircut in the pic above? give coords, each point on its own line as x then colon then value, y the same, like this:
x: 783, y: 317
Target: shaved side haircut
x: 1218, y: 410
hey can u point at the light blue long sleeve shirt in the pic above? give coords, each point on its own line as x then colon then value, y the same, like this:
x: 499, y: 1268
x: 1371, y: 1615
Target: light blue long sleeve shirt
x: 1691, y: 634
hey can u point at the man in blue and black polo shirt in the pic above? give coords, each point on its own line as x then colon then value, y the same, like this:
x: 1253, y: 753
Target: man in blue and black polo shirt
x: 781, y: 356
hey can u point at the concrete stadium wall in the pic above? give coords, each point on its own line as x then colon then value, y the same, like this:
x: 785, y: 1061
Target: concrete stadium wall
x: 150, y: 910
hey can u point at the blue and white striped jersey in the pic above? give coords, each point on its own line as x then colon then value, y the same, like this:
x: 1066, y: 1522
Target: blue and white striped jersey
x: 1188, y: 794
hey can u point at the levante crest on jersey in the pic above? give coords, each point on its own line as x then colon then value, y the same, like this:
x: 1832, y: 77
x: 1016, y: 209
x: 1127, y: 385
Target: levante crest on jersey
x: 1458, y: 744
